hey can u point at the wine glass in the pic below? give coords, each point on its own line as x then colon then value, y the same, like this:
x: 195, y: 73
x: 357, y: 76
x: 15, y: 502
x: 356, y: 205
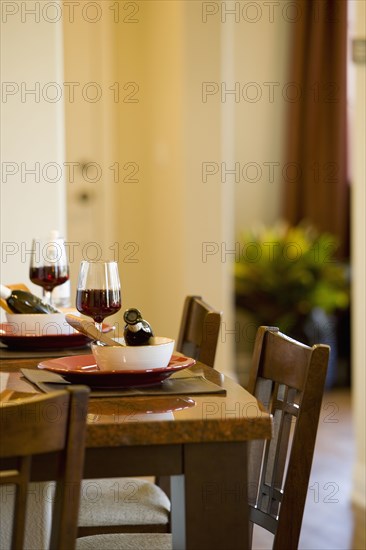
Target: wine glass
x: 48, y: 266
x: 98, y: 293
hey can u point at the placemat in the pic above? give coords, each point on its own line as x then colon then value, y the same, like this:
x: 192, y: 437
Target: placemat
x: 186, y: 382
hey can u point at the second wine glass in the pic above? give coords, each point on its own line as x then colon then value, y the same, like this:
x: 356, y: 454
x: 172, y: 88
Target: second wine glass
x: 98, y: 292
x: 49, y: 267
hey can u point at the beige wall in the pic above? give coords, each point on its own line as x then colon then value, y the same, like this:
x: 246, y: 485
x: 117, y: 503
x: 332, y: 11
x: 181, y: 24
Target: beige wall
x: 170, y: 213
x: 91, y: 115
x: 261, y: 61
x: 32, y: 131
x: 182, y: 218
x: 358, y: 264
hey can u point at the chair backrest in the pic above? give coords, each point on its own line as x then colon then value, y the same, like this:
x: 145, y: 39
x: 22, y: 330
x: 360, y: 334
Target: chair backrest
x: 288, y: 378
x: 53, y: 423
x: 199, y: 330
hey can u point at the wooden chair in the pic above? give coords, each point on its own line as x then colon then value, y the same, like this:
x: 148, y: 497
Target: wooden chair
x: 56, y: 424
x: 288, y: 378
x: 150, y: 510
x: 199, y: 330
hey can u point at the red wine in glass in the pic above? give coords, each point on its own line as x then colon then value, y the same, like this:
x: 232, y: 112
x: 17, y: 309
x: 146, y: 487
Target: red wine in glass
x: 49, y: 276
x: 98, y: 303
x: 49, y: 266
x: 98, y: 293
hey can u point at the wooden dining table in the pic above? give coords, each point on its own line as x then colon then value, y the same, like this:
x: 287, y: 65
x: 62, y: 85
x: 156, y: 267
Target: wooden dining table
x: 199, y: 440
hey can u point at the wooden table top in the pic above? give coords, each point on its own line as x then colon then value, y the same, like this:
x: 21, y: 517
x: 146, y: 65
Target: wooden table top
x: 155, y: 420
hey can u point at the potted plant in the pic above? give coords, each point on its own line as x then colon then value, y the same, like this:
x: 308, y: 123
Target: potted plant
x: 289, y: 277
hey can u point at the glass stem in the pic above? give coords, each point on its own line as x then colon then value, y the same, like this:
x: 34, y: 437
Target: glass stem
x: 99, y: 326
x: 47, y: 297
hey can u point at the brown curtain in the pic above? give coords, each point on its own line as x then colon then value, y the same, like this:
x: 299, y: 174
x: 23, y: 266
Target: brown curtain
x: 316, y: 186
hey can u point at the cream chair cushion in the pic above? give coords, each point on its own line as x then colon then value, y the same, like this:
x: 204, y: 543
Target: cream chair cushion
x: 122, y: 501
x: 134, y: 541
x: 39, y: 515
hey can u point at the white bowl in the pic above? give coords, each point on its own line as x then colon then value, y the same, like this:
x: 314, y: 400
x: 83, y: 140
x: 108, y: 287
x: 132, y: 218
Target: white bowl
x: 155, y: 355
x: 38, y: 324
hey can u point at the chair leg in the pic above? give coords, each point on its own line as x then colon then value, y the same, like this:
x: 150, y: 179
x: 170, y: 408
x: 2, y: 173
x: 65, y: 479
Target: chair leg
x: 250, y: 534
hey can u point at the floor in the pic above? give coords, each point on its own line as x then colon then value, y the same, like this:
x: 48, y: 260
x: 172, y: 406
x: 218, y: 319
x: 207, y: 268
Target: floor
x: 330, y: 522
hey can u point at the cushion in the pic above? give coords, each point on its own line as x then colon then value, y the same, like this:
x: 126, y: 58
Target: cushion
x: 126, y: 542
x: 122, y: 501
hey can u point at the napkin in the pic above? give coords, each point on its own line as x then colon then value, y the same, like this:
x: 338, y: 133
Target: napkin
x: 188, y: 383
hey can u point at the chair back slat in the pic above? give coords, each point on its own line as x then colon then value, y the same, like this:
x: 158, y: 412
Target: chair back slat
x: 288, y: 378
x: 43, y: 421
x: 279, y: 359
x: 53, y: 423
x: 199, y: 330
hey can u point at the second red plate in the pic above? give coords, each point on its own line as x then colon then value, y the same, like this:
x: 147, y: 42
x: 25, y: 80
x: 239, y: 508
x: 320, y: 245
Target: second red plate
x: 82, y: 369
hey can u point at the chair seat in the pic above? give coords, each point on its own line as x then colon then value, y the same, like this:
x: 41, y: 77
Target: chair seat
x: 133, y: 541
x: 122, y: 501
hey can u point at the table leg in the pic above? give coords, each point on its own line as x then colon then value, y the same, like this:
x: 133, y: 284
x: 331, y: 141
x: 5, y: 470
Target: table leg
x: 210, y: 500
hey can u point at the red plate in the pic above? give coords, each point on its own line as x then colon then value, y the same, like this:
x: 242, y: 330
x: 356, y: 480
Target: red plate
x: 82, y: 369
x: 45, y: 342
